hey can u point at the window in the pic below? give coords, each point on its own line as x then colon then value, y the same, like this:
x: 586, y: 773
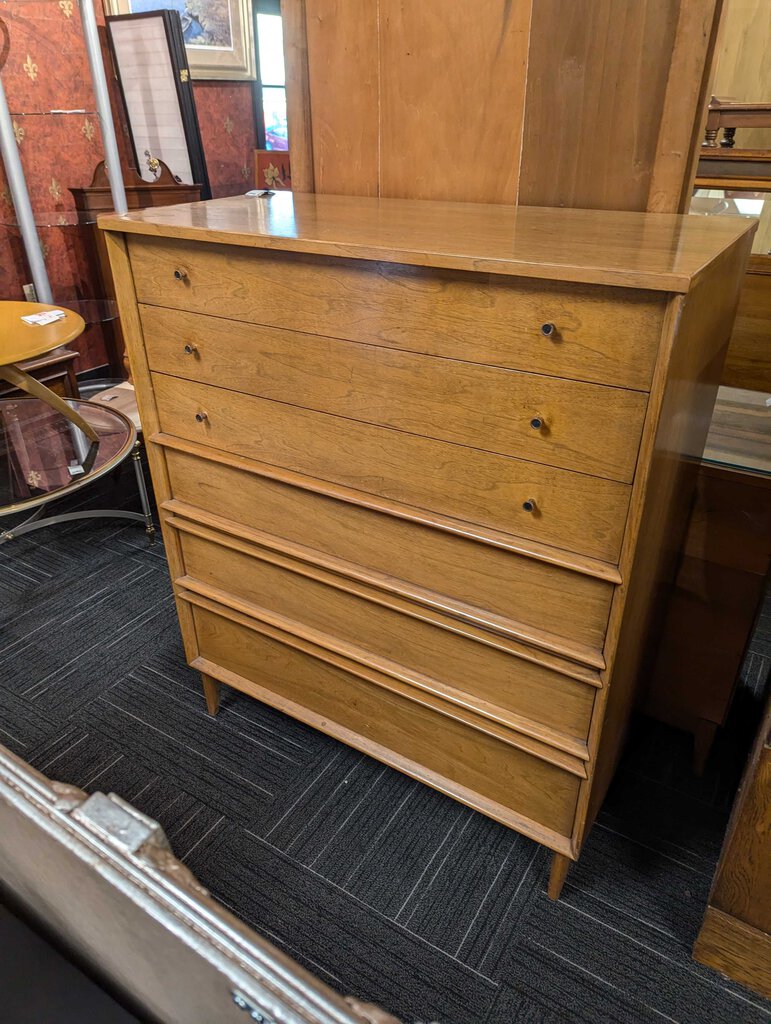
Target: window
x: 270, y: 87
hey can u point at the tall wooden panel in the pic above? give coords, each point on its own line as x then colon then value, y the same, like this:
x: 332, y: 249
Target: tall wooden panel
x: 452, y: 80
x: 581, y: 103
x: 596, y: 84
x: 343, y: 80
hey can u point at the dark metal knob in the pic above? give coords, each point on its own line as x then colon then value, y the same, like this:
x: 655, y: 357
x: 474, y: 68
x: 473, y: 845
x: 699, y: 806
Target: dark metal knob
x: 201, y: 417
x: 529, y: 505
x: 181, y: 275
x: 537, y: 422
x: 191, y: 350
x: 547, y: 330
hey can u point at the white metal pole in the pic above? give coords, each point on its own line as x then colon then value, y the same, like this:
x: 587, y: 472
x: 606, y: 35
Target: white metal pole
x: 112, y: 156
x: 21, y: 204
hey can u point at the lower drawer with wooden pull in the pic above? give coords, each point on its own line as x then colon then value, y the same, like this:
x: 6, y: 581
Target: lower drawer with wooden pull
x: 489, y: 586
x: 568, y: 510
x: 566, y: 423
x: 361, y: 708
x: 585, y: 332
x: 400, y: 637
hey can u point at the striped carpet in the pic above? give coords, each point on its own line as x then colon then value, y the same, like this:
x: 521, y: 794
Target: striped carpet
x: 382, y: 887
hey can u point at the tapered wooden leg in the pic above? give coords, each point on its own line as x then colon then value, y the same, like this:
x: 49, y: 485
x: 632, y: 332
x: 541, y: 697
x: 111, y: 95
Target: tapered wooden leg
x: 559, y: 869
x: 211, y: 691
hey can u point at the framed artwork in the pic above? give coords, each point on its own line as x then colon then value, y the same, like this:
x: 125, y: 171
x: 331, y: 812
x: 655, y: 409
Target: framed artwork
x: 218, y: 34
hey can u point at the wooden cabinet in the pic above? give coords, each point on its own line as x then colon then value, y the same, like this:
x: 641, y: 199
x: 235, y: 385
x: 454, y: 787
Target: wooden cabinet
x: 735, y: 936
x: 423, y: 468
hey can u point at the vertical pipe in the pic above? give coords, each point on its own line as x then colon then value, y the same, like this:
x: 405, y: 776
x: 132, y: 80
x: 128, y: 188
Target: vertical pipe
x: 112, y: 156
x: 24, y: 215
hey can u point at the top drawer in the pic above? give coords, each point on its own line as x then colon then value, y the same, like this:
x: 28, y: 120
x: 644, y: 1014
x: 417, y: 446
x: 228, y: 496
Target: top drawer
x: 604, y: 335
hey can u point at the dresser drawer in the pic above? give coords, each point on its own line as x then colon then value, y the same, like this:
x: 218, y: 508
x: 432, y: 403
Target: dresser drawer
x: 396, y: 635
x: 488, y: 585
x: 570, y: 510
x: 585, y: 427
x: 444, y: 752
x: 600, y: 334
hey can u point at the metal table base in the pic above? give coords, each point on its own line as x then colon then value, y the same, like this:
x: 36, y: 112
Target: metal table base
x: 37, y: 521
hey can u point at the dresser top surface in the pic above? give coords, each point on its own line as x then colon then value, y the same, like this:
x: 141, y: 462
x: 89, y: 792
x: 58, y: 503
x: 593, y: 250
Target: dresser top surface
x: 663, y: 252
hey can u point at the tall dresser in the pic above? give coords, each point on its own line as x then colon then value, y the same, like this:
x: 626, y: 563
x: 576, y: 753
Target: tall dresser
x: 424, y: 468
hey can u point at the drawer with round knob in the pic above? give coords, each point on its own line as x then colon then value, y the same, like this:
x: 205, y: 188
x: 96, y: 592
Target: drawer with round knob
x: 584, y: 514
x: 593, y: 333
x: 585, y: 427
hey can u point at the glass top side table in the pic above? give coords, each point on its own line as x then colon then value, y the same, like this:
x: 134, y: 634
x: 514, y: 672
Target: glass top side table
x: 44, y: 457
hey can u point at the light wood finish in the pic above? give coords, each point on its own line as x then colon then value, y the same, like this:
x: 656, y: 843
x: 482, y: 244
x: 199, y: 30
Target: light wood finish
x: 665, y: 253
x: 595, y: 96
x: 211, y: 690
x: 735, y: 937
x: 481, y: 318
x: 429, y: 100
x: 462, y: 139
x: 341, y: 555
x: 490, y: 772
x: 298, y: 97
x: 578, y: 512
x: 557, y: 874
x: 684, y: 110
x: 468, y: 575
x: 367, y: 63
x: 342, y: 54
x: 117, y: 251
x: 743, y: 62
x: 529, y: 416
x: 747, y: 363
x: 358, y: 617
x: 21, y: 341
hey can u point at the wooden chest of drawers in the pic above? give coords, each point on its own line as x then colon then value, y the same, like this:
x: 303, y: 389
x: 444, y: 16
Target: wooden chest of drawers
x: 423, y: 468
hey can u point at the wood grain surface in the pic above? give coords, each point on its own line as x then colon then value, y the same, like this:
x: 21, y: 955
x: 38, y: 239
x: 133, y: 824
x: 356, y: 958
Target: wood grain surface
x: 578, y: 426
x: 387, y: 726
x: 474, y: 317
x: 572, y: 510
x: 480, y: 583
x: 660, y: 252
x: 396, y: 632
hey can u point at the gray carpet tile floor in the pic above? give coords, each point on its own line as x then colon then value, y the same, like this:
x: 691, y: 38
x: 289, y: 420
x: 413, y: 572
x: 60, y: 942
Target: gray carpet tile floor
x: 382, y: 887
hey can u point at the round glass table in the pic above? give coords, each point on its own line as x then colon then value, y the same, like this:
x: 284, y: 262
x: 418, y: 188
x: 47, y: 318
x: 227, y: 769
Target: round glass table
x: 44, y: 457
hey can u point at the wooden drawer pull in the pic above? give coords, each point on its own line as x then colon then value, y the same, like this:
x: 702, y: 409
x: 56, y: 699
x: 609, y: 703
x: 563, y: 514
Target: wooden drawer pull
x: 538, y: 423
x: 201, y: 417
x: 191, y: 350
x: 530, y: 505
x: 180, y: 275
x: 548, y: 330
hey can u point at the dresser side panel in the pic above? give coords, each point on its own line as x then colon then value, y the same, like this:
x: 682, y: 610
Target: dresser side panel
x: 685, y: 384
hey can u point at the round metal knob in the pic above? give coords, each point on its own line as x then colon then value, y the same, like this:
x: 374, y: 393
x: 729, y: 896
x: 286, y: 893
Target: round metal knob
x: 201, y: 417
x: 537, y: 422
x: 529, y: 505
x: 191, y: 350
x: 547, y: 330
x: 180, y: 275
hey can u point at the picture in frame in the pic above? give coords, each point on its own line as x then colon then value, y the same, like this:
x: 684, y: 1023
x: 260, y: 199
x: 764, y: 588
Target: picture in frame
x: 218, y: 34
